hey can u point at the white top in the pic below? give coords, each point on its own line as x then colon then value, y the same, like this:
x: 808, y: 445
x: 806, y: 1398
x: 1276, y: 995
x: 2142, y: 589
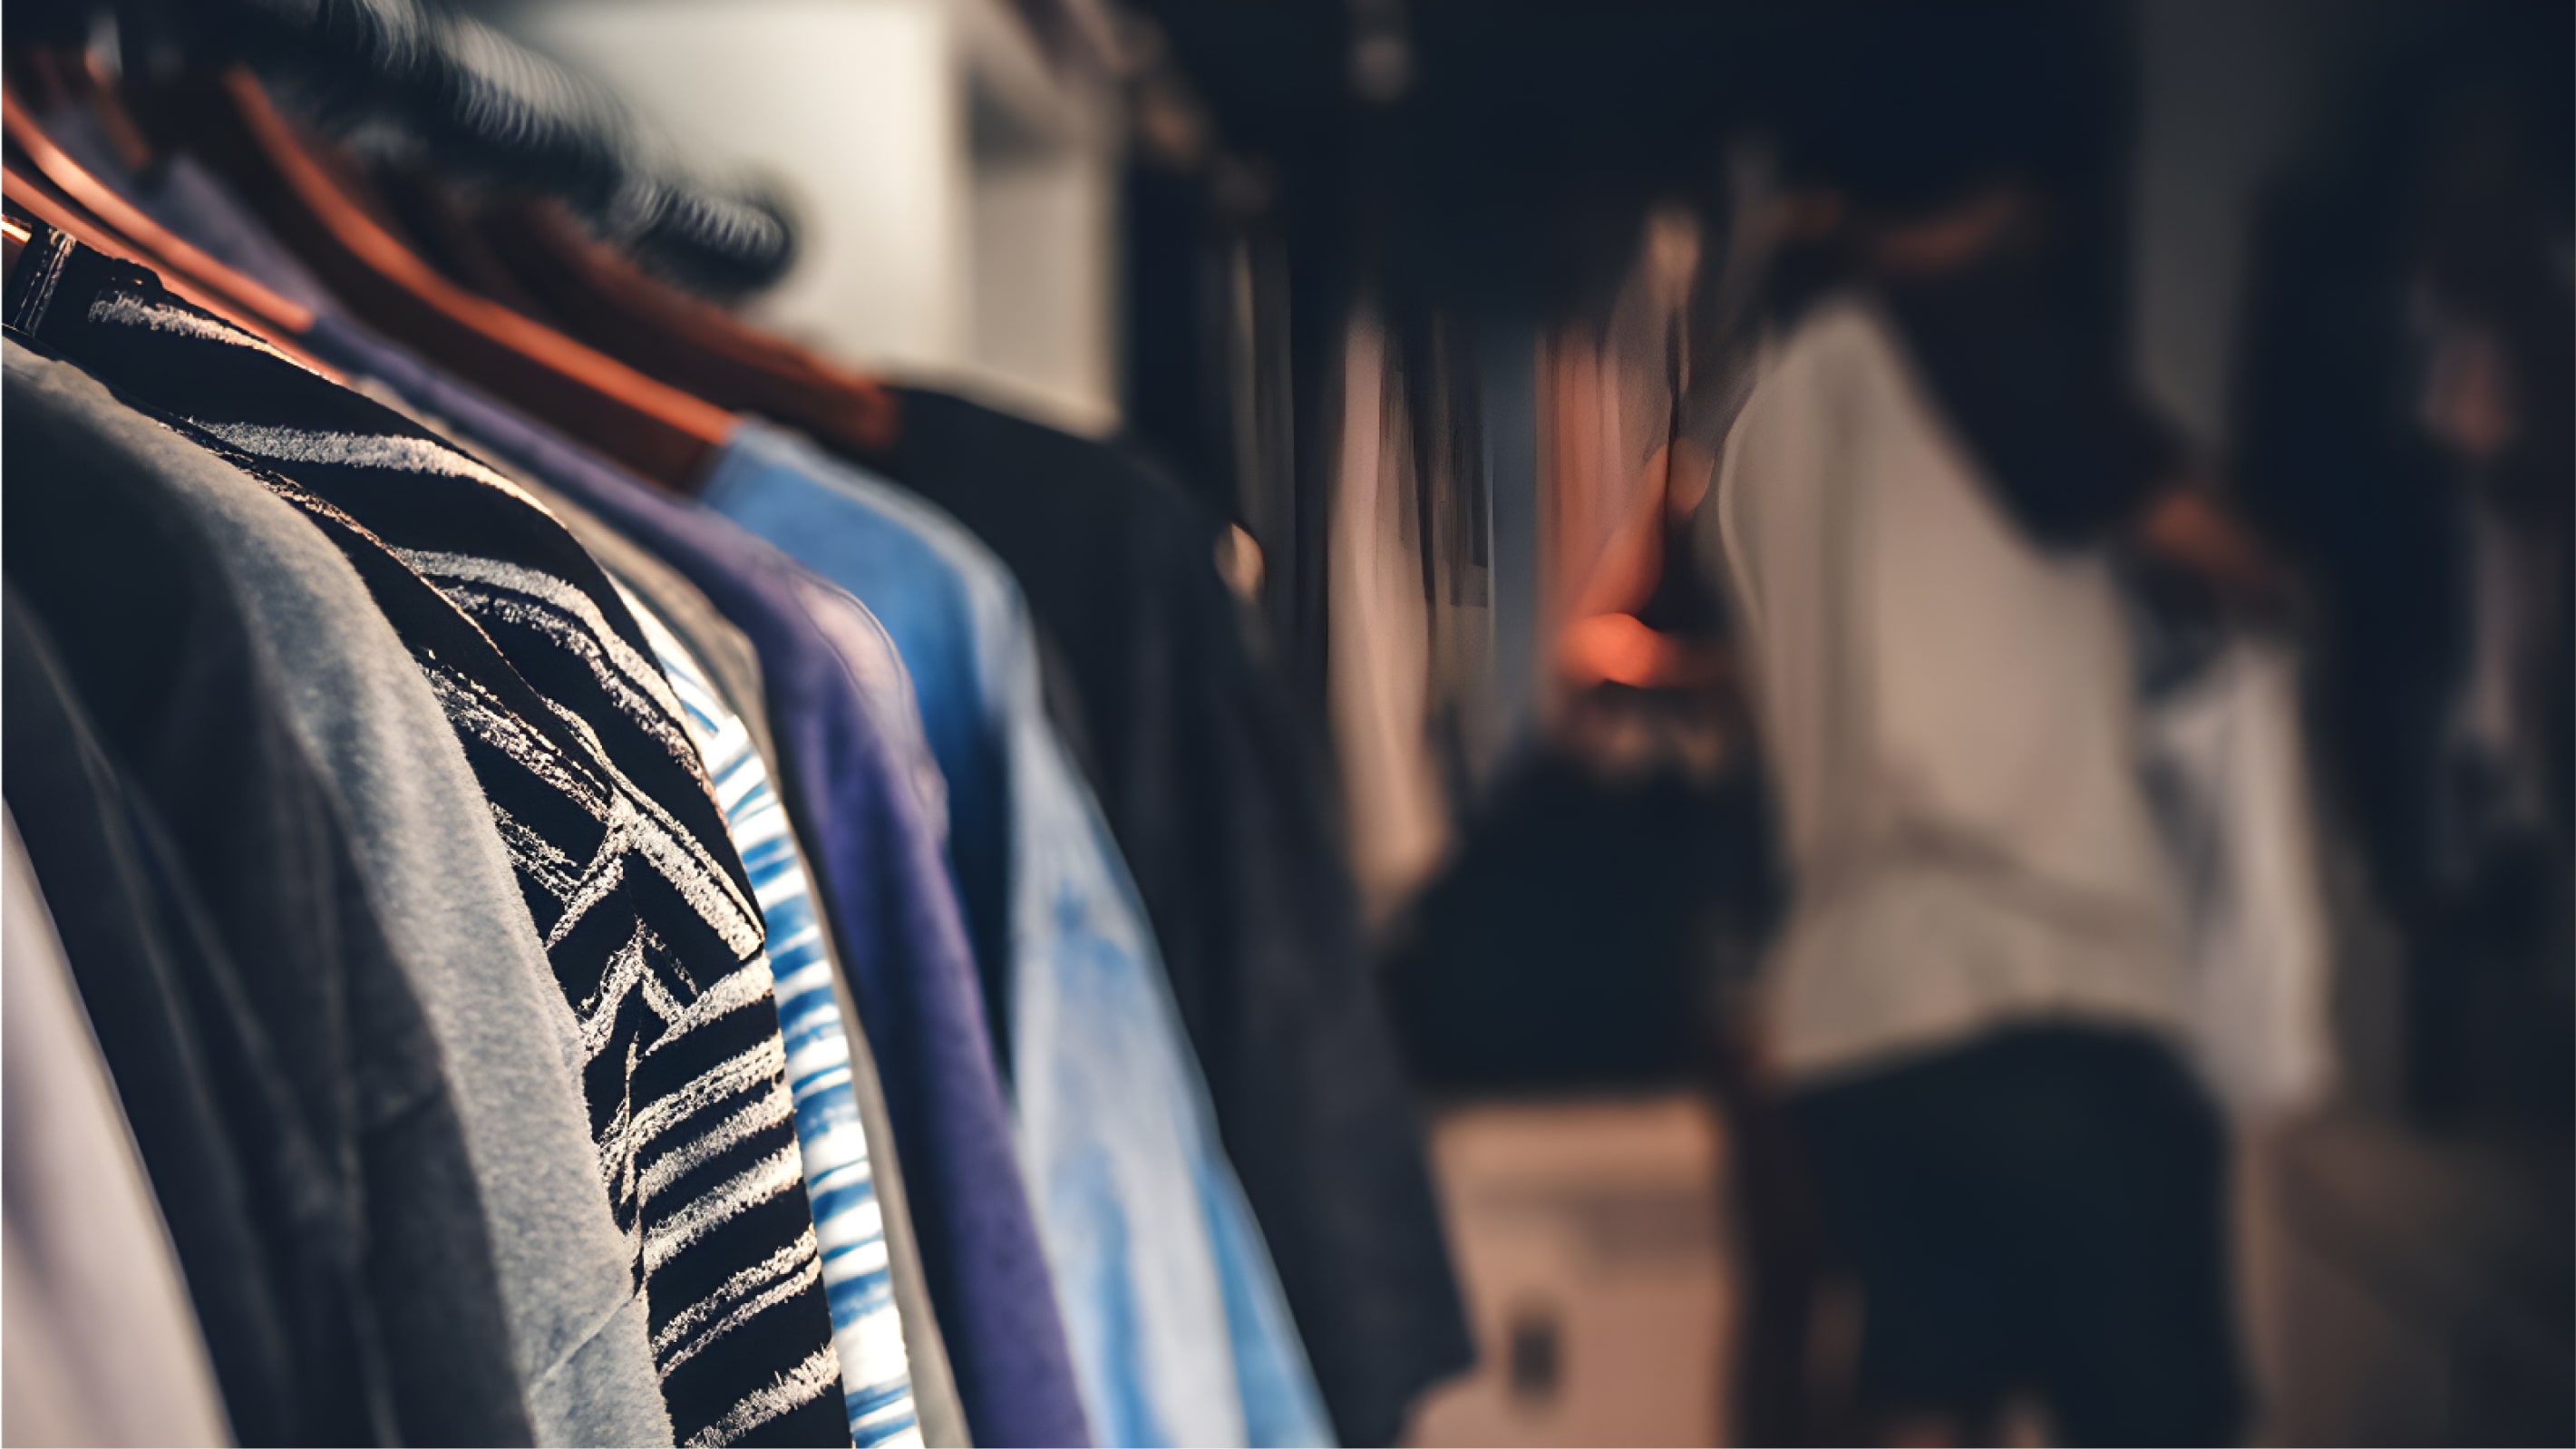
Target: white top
x: 1949, y: 716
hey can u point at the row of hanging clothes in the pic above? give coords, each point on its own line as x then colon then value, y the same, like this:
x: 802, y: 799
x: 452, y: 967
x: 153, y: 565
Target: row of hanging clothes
x: 578, y: 873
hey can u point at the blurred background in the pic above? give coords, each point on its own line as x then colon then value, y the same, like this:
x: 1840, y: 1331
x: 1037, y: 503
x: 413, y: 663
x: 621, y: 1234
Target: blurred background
x: 2221, y: 493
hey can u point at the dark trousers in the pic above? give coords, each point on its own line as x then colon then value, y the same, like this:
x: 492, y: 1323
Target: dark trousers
x: 2042, y: 1210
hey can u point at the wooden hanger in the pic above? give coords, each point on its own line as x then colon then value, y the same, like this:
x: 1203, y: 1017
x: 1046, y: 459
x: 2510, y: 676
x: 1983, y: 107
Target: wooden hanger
x: 661, y: 432
x: 133, y: 234
x: 67, y: 78
x: 442, y: 228
x: 690, y: 343
x: 77, y: 79
x: 30, y: 197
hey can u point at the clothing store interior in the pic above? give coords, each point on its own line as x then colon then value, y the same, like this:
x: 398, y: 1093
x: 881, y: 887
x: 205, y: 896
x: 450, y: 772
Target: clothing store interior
x: 1288, y: 722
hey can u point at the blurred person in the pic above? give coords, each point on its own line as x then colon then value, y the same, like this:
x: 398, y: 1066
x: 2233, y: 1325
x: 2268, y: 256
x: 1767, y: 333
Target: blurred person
x: 2403, y: 423
x: 1975, y: 1004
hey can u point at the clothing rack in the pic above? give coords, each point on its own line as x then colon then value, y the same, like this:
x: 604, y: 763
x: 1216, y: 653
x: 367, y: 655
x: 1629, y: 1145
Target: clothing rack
x: 590, y: 919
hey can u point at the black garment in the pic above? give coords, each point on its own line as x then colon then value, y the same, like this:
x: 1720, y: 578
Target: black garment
x: 206, y: 1098
x: 601, y: 799
x: 1209, y: 787
x: 188, y: 702
x: 2042, y: 1209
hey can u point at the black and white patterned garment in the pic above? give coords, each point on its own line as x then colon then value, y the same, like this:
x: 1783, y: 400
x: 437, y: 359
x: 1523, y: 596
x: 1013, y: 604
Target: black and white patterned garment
x: 581, y: 749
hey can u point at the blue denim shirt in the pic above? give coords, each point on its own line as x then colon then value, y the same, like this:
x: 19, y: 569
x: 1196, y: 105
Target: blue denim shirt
x: 1180, y: 1331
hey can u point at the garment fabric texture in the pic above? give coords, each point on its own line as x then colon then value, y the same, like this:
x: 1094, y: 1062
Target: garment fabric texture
x: 620, y: 849
x: 938, y: 623
x: 255, y: 1207
x: 140, y: 957
x: 435, y: 868
x: 1212, y: 789
x: 875, y: 1379
x: 103, y: 1346
x: 1174, y: 1309
x: 1949, y: 713
x: 2043, y: 1208
x: 858, y: 795
x: 185, y: 701
x: 733, y: 666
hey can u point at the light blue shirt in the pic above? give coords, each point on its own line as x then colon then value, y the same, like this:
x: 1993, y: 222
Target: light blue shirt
x: 1180, y: 1331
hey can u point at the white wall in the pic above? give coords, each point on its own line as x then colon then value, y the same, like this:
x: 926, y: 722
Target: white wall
x: 1046, y: 277
x: 955, y: 197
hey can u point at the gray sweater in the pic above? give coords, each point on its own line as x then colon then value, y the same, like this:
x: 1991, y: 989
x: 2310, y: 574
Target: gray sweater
x: 443, y: 889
